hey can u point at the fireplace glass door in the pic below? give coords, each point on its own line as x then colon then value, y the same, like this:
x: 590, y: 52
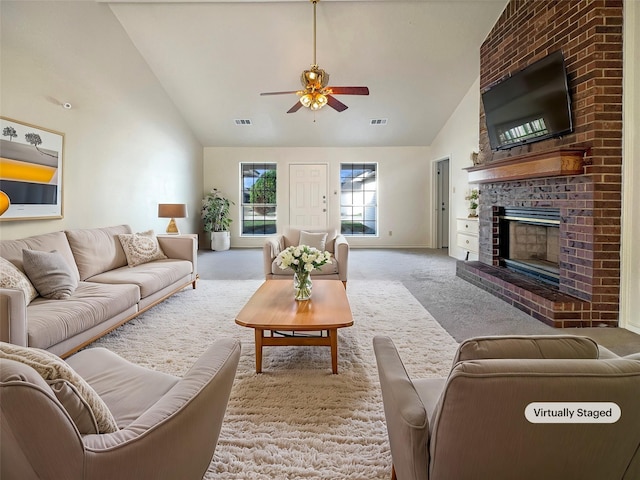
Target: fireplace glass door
x: 530, y: 242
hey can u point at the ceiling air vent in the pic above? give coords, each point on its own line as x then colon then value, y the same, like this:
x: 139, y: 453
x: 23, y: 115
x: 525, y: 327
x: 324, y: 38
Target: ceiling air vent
x: 242, y: 121
x: 378, y: 121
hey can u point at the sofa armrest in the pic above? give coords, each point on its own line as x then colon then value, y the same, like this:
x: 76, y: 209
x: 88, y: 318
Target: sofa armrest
x: 13, y: 317
x: 270, y: 250
x: 181, y: 247
x: 406, y: 416
x: 341, y: 252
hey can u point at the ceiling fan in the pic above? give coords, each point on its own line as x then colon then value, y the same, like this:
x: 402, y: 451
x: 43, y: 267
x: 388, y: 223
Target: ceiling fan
x: 316, y: 93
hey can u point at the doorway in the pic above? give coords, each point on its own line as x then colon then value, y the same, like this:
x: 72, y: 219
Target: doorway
x: 442, y: 203
x: 308, y: 196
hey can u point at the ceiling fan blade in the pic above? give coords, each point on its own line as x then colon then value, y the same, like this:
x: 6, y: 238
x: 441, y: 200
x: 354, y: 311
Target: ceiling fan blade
x: 349, y: 90
x: 295, y: 108
x: 336, y: 104
x: 278, y: 93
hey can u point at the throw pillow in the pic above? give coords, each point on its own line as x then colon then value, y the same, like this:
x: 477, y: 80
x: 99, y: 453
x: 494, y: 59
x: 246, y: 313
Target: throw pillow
x: 11, y: 277
x: 141, y: 247
x: 314, y: 240
x: 53, y: 369
x: 76, y: 406
x: 50, y: 274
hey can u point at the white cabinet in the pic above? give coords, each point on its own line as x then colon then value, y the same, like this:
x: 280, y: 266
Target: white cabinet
x: 467, y: 236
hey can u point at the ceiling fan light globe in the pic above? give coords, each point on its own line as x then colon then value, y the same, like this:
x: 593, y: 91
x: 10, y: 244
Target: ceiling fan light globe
x: 306, y: 99
x: 319, y: 101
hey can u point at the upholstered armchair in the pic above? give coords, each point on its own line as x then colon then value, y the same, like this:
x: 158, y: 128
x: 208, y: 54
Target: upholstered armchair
x: 322, y: 239
x: 167, y: 427
x: 472, y: 424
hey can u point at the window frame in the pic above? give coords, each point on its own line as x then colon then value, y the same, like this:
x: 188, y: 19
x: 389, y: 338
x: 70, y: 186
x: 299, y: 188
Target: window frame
x: 245, y: 192
x: 365, y: 205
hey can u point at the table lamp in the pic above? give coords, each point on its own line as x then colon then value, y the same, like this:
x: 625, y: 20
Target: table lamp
x: 172, y: 211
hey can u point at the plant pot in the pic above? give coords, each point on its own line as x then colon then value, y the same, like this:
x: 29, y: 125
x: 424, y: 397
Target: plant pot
x: 220, y: 241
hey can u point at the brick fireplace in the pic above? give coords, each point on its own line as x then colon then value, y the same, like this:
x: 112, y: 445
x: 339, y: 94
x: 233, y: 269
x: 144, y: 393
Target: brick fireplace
x: 578, y: 175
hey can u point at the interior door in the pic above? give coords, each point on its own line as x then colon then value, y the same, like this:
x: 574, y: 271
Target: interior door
x: 442, y: 185
x: 308, y: 196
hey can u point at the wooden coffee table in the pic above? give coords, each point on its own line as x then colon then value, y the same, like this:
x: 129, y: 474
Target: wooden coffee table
x: 273, y: 308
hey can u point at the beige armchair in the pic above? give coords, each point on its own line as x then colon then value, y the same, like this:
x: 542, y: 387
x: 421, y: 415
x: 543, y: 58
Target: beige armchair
x: 472, y: 424
x: 334, y: 243
x: 168, y: 426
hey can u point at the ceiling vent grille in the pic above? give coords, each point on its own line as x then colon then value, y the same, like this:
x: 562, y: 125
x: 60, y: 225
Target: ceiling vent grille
x: 378, y: 121
x: 243, y: 121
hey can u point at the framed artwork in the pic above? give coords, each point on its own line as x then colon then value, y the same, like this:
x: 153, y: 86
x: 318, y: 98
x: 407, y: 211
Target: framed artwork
x: 30, y: 171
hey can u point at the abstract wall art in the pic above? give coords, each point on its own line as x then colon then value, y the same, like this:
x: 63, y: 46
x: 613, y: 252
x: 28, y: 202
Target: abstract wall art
x: 30, y: 171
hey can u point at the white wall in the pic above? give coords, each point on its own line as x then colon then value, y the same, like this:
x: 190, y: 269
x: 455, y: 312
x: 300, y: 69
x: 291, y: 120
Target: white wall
x: 630, y: 287
x: 126, y: 146
x: 457, y: 140
x: 404, y: 183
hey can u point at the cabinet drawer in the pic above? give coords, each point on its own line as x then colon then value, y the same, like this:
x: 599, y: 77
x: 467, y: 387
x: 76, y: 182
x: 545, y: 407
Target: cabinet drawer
x: 468, y: 242
x: 467, y: 226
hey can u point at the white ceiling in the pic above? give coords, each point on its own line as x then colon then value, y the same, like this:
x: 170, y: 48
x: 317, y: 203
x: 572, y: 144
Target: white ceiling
x: 418, y: 59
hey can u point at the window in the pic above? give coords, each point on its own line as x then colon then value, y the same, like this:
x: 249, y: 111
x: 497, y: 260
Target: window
x: 258, y: 198
x: 358, y: 199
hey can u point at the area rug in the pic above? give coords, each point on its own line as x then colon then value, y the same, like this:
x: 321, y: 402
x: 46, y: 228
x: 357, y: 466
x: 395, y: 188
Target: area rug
x: 296, y: 420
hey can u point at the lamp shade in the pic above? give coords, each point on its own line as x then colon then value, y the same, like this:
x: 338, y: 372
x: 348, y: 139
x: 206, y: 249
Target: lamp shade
x: 172, y: 210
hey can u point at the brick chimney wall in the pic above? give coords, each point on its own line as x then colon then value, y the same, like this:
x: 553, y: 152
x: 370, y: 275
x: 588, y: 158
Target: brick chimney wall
x: 589, y: 32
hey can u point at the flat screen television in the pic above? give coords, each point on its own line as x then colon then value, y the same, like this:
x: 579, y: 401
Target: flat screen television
x: 531, y: 105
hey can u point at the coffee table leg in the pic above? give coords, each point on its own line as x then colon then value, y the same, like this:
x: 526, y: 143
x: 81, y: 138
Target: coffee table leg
x: 259, y: 336
x: 333, y: 336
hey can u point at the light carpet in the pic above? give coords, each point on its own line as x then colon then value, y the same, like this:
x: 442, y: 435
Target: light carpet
x: 296, y: 420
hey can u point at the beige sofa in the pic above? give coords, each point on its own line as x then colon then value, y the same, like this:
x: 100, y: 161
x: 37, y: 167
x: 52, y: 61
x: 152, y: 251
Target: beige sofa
x: 167, y: 426
x: 108, y: 293
x: 473, y: 424
x: 334, y: 243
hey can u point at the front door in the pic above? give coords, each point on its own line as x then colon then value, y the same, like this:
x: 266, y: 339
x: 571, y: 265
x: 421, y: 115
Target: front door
x: 308, y: 196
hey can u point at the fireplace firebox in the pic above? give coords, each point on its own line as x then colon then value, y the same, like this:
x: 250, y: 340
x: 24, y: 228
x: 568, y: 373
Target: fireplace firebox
x: 529, y: 240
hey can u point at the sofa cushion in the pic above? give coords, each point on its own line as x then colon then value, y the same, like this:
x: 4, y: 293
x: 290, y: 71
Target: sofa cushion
x: 97, y: 250
x: 128, y: 389
x: 11, y: 277
x: 292, y: 237
x: 51, y: 368
x: 52, y: 321
x: 141, y: 248
x: 76, y: 406
x: 316, y: 240
x: 49, y: 273
x: 149, y: 277
x: 12, y: 249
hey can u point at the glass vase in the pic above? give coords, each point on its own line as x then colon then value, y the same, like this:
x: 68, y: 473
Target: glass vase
x: 302, y: 286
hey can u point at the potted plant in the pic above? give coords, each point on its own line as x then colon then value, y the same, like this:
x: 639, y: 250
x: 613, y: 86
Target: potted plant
x: 473, y: 197
x: 217, y: 218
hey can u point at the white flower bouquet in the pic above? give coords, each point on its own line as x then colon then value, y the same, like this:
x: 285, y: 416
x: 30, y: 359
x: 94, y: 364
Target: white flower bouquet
x: 303, y: 260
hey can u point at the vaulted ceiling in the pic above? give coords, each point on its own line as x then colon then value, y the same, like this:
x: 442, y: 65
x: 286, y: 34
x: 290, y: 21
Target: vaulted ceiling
x: 213, y: 58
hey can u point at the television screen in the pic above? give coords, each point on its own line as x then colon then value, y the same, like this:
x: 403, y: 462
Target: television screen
x: 529, y: 106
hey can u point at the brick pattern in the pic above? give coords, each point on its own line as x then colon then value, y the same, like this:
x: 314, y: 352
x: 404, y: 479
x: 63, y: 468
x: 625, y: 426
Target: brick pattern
x: 534, y: 298
x: 589, y: 32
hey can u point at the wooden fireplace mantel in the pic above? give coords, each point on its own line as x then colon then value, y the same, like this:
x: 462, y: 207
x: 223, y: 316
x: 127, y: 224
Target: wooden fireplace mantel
x: 553, y: 163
